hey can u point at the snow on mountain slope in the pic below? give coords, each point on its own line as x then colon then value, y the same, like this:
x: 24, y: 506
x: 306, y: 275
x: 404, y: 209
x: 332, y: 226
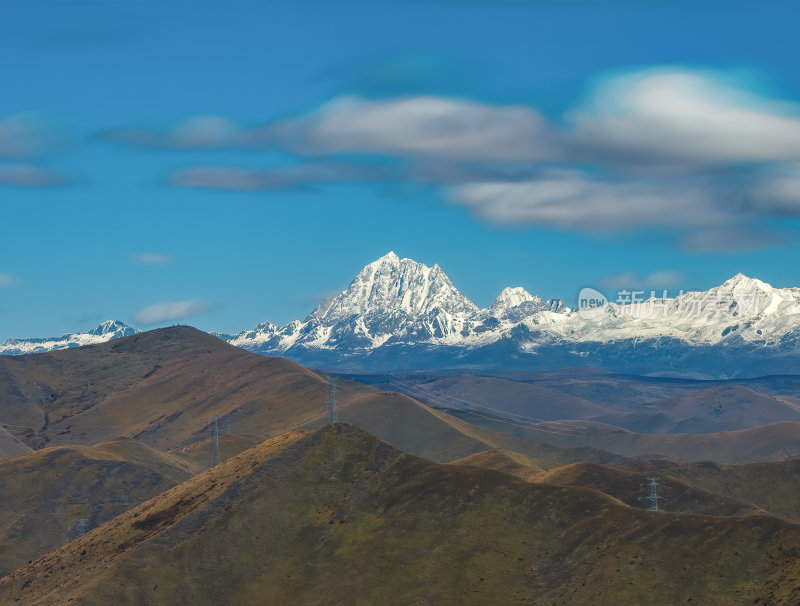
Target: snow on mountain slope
x: 391, y: 301
x: 400, y: 313
x: 112, y: 329
x: 512, y: 297
x: 517, y: 303
x: 392, y: 285
x: 401, y: 310
x: 742, y: 309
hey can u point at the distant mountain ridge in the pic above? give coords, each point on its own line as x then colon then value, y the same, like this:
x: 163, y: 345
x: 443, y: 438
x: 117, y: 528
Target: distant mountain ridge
x: 111, y: 329
x: 394, y: 302
x: 401, y: 314
x: 398, y: 313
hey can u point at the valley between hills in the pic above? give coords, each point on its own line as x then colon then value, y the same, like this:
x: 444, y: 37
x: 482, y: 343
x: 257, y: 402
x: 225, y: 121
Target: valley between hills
x: 429, y: 487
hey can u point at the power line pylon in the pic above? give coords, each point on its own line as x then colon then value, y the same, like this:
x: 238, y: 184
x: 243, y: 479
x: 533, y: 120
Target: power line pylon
x: 80, y: 527
x: 214, y: 442
x: 653, y: 497
x: 332, y: 402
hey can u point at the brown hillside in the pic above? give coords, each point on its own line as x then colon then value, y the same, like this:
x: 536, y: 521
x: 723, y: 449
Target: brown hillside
x: 515, y: 397
x: 772, y: 442
x: 507, y: 461
x: 160, y: 387
x: 628, y: 487
x: 337, y: 516
x: 727, y: 408
x: 45, y: 492
x: 411, y: 426
x: 771, y: 486
x: 11, y: 446
x: 163, y: 386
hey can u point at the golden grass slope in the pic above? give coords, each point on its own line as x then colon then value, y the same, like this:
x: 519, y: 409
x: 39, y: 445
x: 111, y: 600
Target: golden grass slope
x: 160, y: 387
x: 411, y: 426
x: 528, y: 399
x: 727, y: 408
x: 507, y: 461
x: 771, y: 486
x: 339, y: 517
x: 773, y: 442
x: 45, y: 492
x: 10, y: 446
x: 629, y: 487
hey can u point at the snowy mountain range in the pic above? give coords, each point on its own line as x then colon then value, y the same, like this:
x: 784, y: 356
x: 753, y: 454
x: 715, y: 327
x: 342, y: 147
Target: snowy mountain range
x: 112, y: 329
x: 400, y: 314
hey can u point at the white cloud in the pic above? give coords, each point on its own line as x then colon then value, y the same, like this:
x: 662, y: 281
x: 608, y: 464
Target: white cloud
x: 706, y: 215
x: 683, y: 116
x: 171, y: 312
x: 665, y: 279
x: 684, y: 150
x: 204, y: 132
x: 779, y: 192
x: 26, y: 136
x: 31, y: 175
x: 669, y: 116
x: 737, y: 238
x: 574, y: 200
x: 284, y: 177
x: 153, y: 258
x: 7, y: 280
x: 200, y: 132
x: 419, y: 127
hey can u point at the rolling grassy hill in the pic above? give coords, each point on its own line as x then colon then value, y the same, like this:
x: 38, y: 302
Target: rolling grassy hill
x: 627, y: 486
x: 160, y: 387
x: 640, y: 404
x: 10, y: 446
x: 726, y: 408
x: 771, y: 486
x: 773, y: 442
x: 45, y: 492
x: 338, y: 516
x: 507, y: 461
x: 735, y: 491
x: 517, y: 397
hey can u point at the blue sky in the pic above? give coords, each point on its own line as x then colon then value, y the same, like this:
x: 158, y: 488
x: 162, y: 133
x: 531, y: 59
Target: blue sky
x: 245, y: 159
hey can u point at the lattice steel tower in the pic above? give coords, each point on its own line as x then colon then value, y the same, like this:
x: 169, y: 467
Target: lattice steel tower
x: 214, y: 442
x: 80, y: 527
x: 332, y: 401
x: 653, y: 497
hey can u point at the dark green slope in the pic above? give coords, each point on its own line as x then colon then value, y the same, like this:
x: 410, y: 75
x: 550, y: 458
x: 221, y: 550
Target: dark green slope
x: 339, y: 517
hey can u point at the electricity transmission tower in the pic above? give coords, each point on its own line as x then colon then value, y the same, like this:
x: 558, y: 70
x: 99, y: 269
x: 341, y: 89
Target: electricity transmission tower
x: 80, y: 527
x: 332, y: 401
x: 214, y: 442
x: 653, y: 497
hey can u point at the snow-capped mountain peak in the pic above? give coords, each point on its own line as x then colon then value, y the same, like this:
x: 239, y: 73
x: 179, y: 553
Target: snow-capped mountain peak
x: 398, y: 313
x: 511, y: 297
x: 391, y: 285
x: 742, y: 283
x: 515, y: 304
x: 111, y: 329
